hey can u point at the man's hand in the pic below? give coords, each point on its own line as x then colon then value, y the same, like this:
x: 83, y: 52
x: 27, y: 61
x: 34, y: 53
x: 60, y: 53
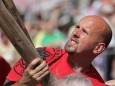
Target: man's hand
x: 34, y: 73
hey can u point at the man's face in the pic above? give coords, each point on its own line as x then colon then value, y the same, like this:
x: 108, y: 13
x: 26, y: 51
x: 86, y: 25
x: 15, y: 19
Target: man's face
x: 84, y: 38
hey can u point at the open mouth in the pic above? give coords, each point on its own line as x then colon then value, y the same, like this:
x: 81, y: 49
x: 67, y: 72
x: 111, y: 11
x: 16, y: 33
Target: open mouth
x: 74, y: 40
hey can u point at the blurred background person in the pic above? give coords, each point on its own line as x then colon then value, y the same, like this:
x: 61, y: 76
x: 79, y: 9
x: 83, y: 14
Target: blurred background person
x: 73, y: 80
x: 7, y: 50
x: 4, y: 70
x: 110, y: 83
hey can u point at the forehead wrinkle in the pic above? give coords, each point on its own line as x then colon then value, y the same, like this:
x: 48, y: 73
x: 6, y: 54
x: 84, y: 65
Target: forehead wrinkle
x: 90, y: 26
x: 99, y: 26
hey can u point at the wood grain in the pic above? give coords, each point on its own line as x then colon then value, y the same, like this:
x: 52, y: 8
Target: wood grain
x: 13, y: 10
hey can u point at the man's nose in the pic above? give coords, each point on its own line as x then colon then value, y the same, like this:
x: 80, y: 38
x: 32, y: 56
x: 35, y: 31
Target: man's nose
x: 77, y: 33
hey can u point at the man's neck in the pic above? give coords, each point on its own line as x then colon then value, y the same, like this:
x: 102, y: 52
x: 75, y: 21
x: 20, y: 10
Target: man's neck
x: 79, y: 64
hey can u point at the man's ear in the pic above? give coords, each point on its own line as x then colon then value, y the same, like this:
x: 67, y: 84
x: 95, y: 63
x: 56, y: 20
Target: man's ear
x: 99, y: 48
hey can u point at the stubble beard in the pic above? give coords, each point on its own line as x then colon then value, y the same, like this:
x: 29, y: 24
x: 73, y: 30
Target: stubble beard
x: 69, y: 49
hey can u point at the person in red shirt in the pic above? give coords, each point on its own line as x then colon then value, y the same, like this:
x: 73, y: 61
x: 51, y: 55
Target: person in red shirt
x: 4, y: 70
x: 90, y: 38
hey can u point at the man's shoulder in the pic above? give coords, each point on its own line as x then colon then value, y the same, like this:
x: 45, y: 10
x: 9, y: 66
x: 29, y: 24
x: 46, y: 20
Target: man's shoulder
x: 95, y: 77
x: 45, y: 52
x: 48, y: 49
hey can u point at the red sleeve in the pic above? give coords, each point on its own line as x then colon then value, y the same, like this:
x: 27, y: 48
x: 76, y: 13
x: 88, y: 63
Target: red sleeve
x: 17, y: 71
x: 4, y: 70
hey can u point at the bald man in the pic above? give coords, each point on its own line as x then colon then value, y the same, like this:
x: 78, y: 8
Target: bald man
x: 90, y: 38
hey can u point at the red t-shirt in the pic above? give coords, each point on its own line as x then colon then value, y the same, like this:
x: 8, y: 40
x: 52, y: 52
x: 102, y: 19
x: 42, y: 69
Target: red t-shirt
x: 4, y: 70
x: 56, y: 59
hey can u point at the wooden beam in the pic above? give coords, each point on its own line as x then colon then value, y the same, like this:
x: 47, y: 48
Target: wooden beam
x: 9, y: 4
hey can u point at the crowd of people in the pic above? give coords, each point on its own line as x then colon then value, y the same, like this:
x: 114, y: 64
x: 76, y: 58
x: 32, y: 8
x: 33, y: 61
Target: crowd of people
x: 50, y: 23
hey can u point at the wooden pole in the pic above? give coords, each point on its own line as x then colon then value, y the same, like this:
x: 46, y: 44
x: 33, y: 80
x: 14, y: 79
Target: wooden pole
x: 9, y: 4
x: 20, y: 41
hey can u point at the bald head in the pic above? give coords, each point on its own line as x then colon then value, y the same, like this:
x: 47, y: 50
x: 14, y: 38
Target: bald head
x: 103, y: 29
x: 92, y: 33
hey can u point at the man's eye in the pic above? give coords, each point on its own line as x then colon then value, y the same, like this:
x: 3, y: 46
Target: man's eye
x: 84, y: 31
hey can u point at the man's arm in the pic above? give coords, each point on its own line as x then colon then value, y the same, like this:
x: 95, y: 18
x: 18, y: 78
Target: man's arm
x: 33, y: 74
